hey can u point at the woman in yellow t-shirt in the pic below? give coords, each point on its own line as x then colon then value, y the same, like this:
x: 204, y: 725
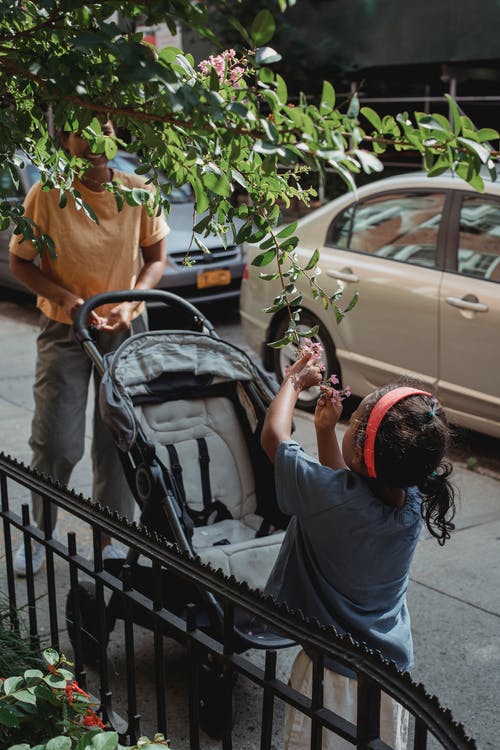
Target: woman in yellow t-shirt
x: 125, y: 250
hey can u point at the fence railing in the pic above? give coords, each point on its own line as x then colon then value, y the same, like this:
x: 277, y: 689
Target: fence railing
x: 159, y: 590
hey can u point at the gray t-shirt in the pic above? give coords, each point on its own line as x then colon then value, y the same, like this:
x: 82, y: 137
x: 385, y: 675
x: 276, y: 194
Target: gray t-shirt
x: 346, y: 555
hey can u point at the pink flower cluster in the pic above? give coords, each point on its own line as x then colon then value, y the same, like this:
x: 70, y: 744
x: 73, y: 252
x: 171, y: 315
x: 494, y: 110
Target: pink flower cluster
x: 225, y: 65
x: 316, y: 350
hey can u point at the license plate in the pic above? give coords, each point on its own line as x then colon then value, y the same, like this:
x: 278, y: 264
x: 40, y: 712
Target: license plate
x: 215, y: 277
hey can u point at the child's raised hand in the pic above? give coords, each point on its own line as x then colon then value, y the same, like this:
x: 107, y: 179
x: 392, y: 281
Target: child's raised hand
x: 305, y: 372
x: 328, y: 409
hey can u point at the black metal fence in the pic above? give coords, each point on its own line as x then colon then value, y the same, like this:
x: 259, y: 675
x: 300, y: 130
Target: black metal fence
x: 162, y: 592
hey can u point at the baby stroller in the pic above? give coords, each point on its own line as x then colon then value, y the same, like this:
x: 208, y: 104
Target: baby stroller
x: 186, y: 409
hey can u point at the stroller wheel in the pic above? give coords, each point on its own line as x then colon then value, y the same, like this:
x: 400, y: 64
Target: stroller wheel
x: 91, y: 649
x: 213, y: 687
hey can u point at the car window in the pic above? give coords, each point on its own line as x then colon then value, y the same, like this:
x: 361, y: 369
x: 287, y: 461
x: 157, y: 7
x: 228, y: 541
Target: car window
x: 479, y: 239
x: 401, y: 226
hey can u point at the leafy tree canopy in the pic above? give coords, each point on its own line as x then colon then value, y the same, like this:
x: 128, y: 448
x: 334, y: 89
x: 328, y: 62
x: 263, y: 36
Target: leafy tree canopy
x: 227, y: 123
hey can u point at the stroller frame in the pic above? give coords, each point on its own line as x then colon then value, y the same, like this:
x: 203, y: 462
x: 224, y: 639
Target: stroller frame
x: 165, y: 509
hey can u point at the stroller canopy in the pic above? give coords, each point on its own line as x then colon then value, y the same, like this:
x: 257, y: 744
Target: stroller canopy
x: 161, y: 365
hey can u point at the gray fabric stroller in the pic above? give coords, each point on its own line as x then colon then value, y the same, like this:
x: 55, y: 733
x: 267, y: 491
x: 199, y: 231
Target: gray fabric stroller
x: 186, y: 409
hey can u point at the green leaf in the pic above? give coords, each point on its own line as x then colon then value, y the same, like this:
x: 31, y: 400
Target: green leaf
x: 487, y: 134
x: 313, y: 261
x: 353, y: 109
x: 327, y: 97
x: 88, y: 211
x: 217, y: 183
x: 369, y: 162
x: 280, y: 343
x: 281, y: 89
x: 287, y: 231
x: 51, y: 656
x: 200, y: 194
x: 241, y: 29
x: 309, y: 333
x: 110, y: 148
x: 62, y: 199
x: 372, y: 117
x: 55, y: 682
x: 105, y: 741
x: 24, y: 696
x: 8, y: 718
x: 263, y: 28
x: 352, y: 302
x: 12, y: 684
x: 265, y: 75
x: 435, y: 122
x: 266, y: 56
x: 202, y: 224
x: 33, y: 676
x: 455, y: 114
x: 59, y: 743
x: 481, y: 151
x: 263, y: 259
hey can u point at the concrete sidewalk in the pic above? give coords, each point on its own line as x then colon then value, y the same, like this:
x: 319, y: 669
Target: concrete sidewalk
x: 454, y: 594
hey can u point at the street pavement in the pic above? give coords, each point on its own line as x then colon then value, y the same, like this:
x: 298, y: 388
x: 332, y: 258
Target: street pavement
x: 454, y: 593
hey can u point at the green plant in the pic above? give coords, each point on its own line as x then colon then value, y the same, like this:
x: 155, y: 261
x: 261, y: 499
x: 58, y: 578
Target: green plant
x: 16, y: 652
x: 229, y: 123
x: 47, y: 710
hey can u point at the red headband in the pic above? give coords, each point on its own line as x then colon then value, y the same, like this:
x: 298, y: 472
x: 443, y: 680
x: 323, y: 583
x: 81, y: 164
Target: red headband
x: 376, y: 416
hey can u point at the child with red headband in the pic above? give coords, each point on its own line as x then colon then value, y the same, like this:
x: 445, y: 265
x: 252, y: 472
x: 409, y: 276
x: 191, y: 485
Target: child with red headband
x: 356, y: 515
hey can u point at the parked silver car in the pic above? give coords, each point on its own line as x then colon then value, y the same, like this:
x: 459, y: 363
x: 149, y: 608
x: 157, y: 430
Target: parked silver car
x: 424, y: 254
x: 213, y: 277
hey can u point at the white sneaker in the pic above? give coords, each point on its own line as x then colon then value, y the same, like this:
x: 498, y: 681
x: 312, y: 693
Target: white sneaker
x: 110, y: 552
x: 37, y: 555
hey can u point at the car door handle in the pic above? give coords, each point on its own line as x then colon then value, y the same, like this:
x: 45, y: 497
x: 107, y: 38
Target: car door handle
x: 345, y: 275
x: 469, y: 302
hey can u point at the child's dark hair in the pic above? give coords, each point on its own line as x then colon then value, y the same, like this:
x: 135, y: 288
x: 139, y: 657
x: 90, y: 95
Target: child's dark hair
x: 410, y: 446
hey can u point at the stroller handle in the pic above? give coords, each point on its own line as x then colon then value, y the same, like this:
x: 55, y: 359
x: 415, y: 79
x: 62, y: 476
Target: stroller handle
x: 134, y: 295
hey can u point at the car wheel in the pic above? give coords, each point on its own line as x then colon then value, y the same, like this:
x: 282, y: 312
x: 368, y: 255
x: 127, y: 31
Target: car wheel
x: 287, y: 355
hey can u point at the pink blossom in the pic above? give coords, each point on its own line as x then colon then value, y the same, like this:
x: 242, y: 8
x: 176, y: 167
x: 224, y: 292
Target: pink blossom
x: 225, y: 67
x: 315, y: 349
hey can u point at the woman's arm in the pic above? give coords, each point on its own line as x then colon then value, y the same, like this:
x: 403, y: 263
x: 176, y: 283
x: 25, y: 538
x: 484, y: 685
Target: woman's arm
x: 28, y: 272
x: 278, y: 422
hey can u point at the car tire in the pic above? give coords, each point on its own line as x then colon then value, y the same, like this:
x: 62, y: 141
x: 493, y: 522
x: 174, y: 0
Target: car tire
x: 287, y: 355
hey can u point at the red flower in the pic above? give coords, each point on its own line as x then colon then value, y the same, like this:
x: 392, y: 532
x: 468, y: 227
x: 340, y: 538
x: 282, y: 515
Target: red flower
x: 92, y: 720
x: 74, y: 687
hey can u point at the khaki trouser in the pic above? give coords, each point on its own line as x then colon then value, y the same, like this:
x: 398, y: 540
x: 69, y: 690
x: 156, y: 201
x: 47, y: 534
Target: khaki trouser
x: 62, y: 378
x: 340, y: 696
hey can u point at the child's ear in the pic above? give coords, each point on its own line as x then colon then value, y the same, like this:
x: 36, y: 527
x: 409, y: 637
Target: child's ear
x: 358, y: 462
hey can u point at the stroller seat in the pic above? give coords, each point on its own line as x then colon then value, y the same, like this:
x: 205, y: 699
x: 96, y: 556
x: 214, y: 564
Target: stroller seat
x: 199, y: 402
x: 202, y: 443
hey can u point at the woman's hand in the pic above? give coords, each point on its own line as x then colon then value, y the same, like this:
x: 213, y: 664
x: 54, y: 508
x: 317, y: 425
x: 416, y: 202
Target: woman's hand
x: 119, y: 318
x: 304, y: 373
x: 71, y: 305
x: 328, y: 410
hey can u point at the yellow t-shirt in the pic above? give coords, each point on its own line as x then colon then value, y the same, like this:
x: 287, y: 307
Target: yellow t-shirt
x: 90, y: 258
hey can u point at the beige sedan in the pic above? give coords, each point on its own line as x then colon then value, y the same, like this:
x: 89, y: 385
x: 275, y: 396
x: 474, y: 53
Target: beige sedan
x: 424, y: 255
